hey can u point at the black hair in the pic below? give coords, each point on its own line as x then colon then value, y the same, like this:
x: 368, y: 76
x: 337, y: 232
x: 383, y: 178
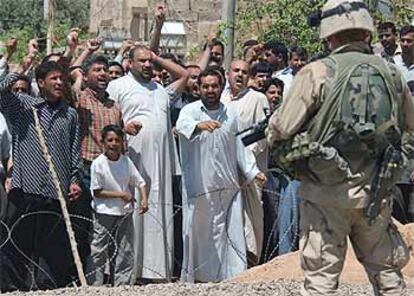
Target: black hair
x: 50, y: 55
x: 115, y: 63
x: 250, y: 42
x: 157, y: 67
x: 387, y: 25
x: 210, y: 71
x: 169, y: 56
x: 112, y: 128
x: 406, y: 29
x: 261, y: 67
x: 94, y: 59
x: 299, y: 51
x: 22, y: 77
x: 274, y: 81
x: 220, y: 70
x: 217, y: 42
x: 46, y: 67
x: 277, y: 47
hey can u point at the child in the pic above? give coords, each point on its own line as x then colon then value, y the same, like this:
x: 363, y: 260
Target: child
x: 112, y: 174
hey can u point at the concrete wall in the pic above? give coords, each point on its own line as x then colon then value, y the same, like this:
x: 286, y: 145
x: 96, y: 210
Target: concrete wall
x: 199, y: 16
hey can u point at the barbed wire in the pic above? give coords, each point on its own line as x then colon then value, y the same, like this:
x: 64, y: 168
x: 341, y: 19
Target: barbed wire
x: 225, y: 196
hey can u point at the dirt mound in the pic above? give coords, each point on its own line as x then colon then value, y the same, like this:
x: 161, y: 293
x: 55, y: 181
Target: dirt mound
x: 288, y: 266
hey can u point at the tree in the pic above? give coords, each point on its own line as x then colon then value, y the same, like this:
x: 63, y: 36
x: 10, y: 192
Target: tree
x: 23, y: 19
x: 286, y: 20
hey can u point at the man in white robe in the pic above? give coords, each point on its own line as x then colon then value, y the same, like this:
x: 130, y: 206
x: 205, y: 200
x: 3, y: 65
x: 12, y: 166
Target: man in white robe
x: 250, y: 107
x: 152, y: 151
x: 212, y: 156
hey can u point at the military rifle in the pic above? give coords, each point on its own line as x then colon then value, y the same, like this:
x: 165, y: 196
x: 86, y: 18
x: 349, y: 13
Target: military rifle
x: 256, y: 132
x: 389, y: 171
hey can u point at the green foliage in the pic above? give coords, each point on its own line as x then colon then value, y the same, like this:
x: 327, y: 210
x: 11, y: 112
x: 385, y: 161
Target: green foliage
x: 23, y: 35
x: 284, y: 20
x: 23, y: 19
x: 403, y: 14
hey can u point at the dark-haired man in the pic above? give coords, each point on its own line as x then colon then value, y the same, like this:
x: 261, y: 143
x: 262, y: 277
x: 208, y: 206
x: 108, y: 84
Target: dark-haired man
x: 276, y: 54
x: 387, y: 33
x: 259, y: 73
x: 298, y: 57
x: 115, y: 70
x: 33, y: 189
x: 250, y: 106
x: 405, y: 61
x: 214, y: 242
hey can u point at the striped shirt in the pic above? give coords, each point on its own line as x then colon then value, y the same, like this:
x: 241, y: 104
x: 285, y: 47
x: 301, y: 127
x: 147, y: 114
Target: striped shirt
x: 94, y: 114
x: 61, y: 131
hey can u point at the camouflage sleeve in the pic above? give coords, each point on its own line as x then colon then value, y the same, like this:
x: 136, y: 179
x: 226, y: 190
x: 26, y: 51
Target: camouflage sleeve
x: 299, y: 104
x: 407, y: 141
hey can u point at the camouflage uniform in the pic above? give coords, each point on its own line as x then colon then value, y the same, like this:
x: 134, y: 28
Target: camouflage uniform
x: 331, y: 213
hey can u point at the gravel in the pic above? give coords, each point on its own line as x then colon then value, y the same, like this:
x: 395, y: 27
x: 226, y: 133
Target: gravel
x: 276, y: 288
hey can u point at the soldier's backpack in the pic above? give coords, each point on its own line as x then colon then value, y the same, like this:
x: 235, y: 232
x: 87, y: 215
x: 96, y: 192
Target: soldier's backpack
x: 358, y: 116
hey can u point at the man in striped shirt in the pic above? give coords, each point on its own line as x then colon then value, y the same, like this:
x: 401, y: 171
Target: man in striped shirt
x: 34, y: 211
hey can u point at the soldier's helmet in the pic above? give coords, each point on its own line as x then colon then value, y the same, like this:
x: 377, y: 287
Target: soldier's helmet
x: 341, y: 15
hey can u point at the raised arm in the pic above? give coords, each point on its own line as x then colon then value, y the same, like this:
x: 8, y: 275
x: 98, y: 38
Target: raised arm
x: 10, y: 102
x: 178, y: 73
x: 159, y: 22
x: 11, y: 46
x: 32, y: 52
x: 72, y: 42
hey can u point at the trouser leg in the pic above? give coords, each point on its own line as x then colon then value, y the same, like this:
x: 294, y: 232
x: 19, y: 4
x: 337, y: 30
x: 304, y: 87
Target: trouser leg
x: 102, y: 245
x: 270, y: 207
x: 81, y: 212
x: 382, y: 251
x: 323, y: 247
x: 16, y: 254
x: 124, y: 259
x: 178, y: 225
x: 54, y: 246
x: 288, y: 219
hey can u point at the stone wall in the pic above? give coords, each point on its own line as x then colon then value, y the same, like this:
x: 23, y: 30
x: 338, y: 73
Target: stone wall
x: 114, y: 17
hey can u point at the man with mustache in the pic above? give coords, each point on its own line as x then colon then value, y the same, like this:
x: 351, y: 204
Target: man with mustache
x: 250, y: 107
x: 213, y: 157
x: 387, y: 33
x: 152, y: 151
x: 33, y: 190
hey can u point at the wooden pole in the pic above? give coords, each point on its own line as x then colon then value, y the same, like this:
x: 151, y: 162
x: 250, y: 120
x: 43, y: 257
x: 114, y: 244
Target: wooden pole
x: 49, y: 39
x: 62, y: 201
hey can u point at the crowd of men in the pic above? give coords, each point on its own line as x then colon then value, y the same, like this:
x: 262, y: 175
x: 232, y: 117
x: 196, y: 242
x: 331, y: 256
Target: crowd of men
x: 214, y: 206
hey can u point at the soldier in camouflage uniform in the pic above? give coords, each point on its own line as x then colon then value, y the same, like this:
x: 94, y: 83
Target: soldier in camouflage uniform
x: 332, y: 211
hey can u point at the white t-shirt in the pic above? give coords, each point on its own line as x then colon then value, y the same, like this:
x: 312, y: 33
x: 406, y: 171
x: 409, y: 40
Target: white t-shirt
x: 118, y: 176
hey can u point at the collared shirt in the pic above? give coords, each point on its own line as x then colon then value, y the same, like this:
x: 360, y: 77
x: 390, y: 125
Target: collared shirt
x: 94, y: 114
x: 379, y: 50
x: 408, y: 71
x: 61, y: 131
x: 286, y: 75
